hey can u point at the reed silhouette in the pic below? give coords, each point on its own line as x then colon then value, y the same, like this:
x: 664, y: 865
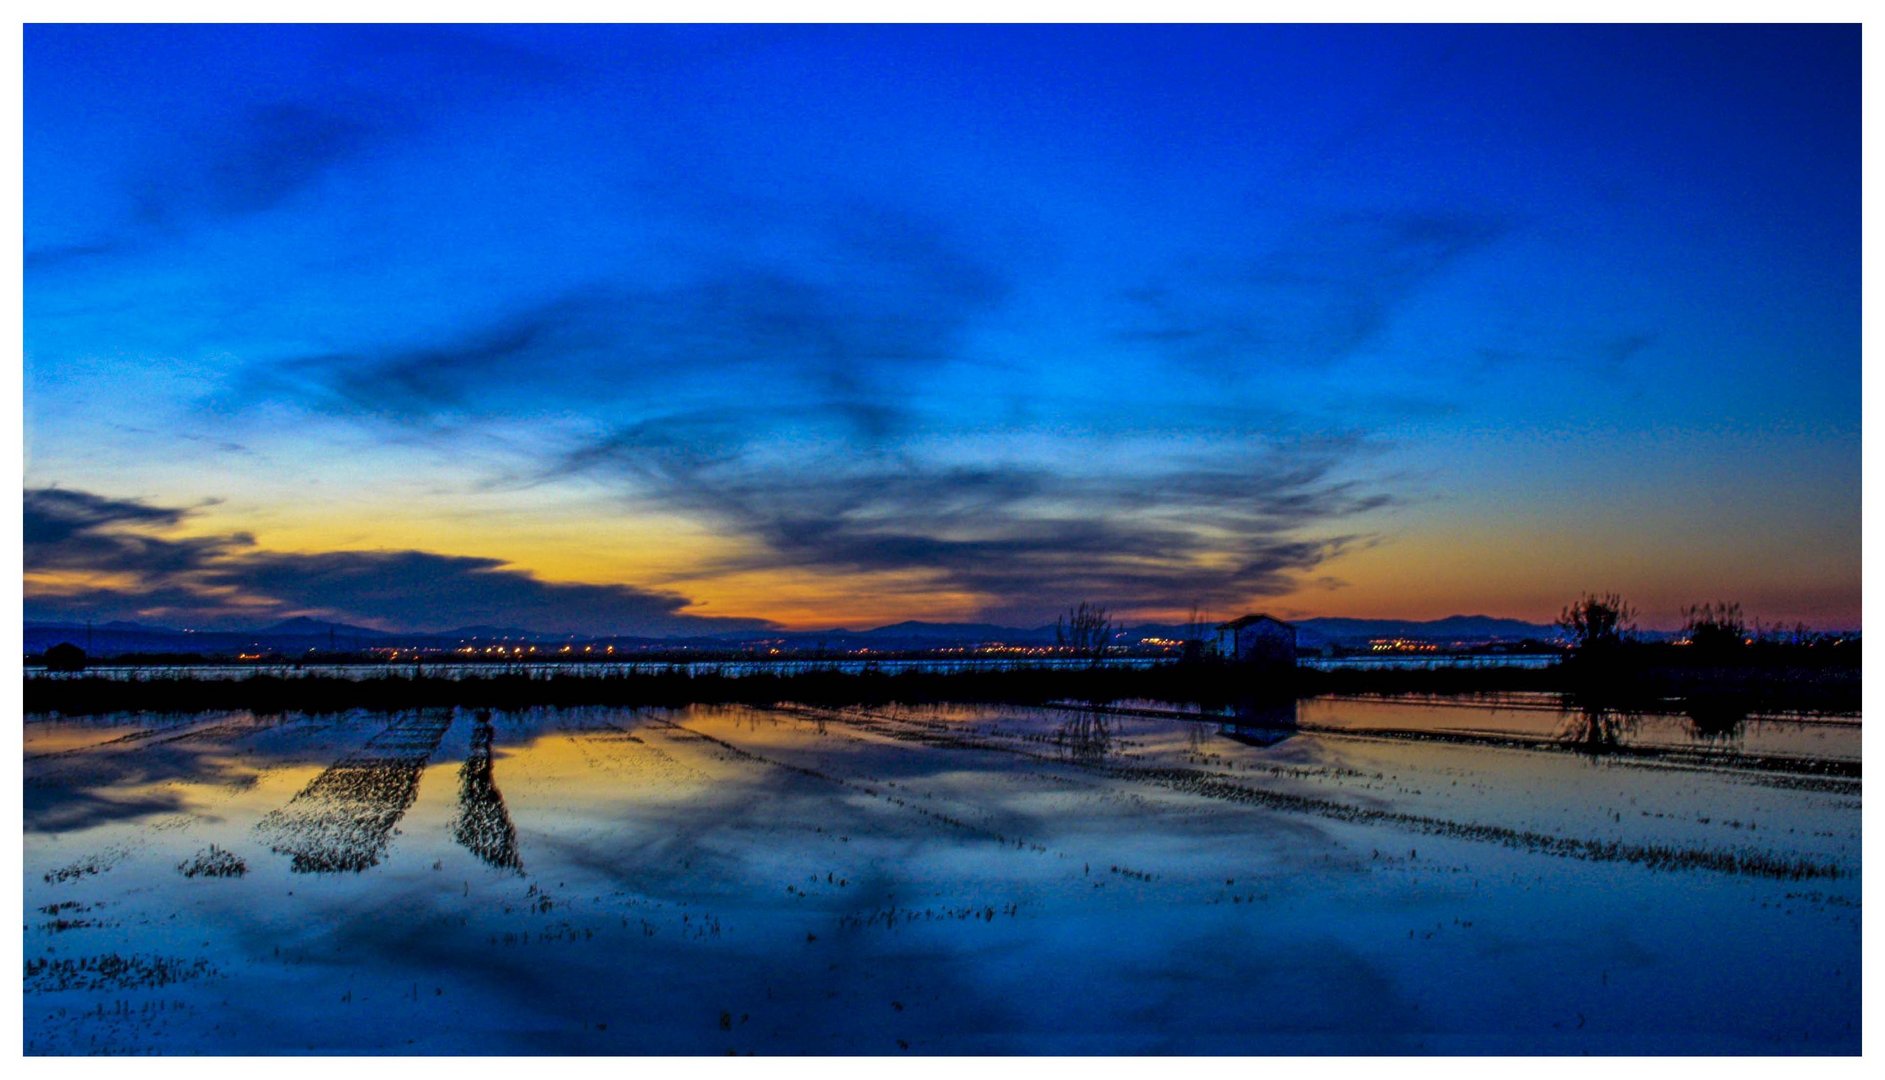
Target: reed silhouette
x: 1822, y: 679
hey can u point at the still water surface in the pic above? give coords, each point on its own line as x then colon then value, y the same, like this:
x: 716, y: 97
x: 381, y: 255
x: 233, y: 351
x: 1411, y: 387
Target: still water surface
x: 937, y: 880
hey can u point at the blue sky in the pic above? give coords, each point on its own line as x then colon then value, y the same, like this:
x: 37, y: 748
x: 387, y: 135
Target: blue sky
x: 844, y: 325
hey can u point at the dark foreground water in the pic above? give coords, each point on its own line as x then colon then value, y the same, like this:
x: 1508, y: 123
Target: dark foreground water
x: 1384, y: 879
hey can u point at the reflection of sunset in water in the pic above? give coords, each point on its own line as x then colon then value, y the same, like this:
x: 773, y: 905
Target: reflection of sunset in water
x: 807, y: 867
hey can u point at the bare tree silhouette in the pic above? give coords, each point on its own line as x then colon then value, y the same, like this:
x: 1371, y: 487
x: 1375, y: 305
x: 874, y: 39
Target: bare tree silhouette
x: 1597, y: 623
x: 1086, y: 629
x: 1714, y: 628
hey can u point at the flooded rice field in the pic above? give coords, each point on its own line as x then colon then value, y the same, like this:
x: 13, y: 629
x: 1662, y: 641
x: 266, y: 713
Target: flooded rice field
x: 1354, y: 877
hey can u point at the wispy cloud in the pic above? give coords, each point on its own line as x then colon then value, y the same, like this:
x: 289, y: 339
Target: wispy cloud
x: 778, y: 407
x: 78, y: 531
x: 1217, y: 527
x: 262, y: 141
x: 1317, y: 296
x: 886, y: 297
x: 60, y: 256
x: 272, y: 151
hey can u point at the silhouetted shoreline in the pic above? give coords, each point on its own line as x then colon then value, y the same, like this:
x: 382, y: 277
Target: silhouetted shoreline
x: 1653, y: 682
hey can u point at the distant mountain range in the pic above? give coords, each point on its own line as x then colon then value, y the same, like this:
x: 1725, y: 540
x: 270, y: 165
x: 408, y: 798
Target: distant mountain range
x: 302, y: 634
x: 1462, y: 628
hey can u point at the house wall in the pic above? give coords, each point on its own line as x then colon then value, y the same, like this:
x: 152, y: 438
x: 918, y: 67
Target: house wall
x: 1266, y: 642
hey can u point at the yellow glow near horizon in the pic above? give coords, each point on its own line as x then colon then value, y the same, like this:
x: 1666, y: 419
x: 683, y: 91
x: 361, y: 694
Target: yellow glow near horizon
x: 808, y: 600
x: 71, y: 582
x: 1423, y: 567
x: 1515, y: 571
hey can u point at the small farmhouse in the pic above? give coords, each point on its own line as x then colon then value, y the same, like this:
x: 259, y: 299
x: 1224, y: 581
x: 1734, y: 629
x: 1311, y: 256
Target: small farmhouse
x: 1258, y: 639
x: 65, y: 656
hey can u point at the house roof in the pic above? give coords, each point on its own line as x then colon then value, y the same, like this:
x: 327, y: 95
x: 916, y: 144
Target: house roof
x: 1251, y: 620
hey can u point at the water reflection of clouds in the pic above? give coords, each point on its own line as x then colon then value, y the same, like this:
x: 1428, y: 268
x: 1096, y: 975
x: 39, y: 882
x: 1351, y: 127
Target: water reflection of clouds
x: 86, y: 772
x: 57, y: 809
x: 107, y: 788
x: 746, y: 862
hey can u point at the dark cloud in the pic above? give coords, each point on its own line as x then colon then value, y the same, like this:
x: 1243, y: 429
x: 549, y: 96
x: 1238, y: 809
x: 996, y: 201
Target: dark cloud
x: 889, y: 296
x: 279, y: 148
x: 256, y: 159
x: 809, y: 446
x: 1219, y: 529
x: 56, y: 514
x: 497, y: 366
x: 60, y: 256
x: 1615, y: 359
x: 1615, y: 356
x: 78, y: 531
x: 225, y: 580
x: 380, y: 85
x: 423, y: 589
x: 250, y: 161
x: 1318, y: 297
x: 373, y: 87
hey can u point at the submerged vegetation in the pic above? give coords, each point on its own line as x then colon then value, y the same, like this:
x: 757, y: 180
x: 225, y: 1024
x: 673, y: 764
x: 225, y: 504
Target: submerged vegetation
x: 213, y: 861
x: 483, y: 824
x: 343, y: 818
